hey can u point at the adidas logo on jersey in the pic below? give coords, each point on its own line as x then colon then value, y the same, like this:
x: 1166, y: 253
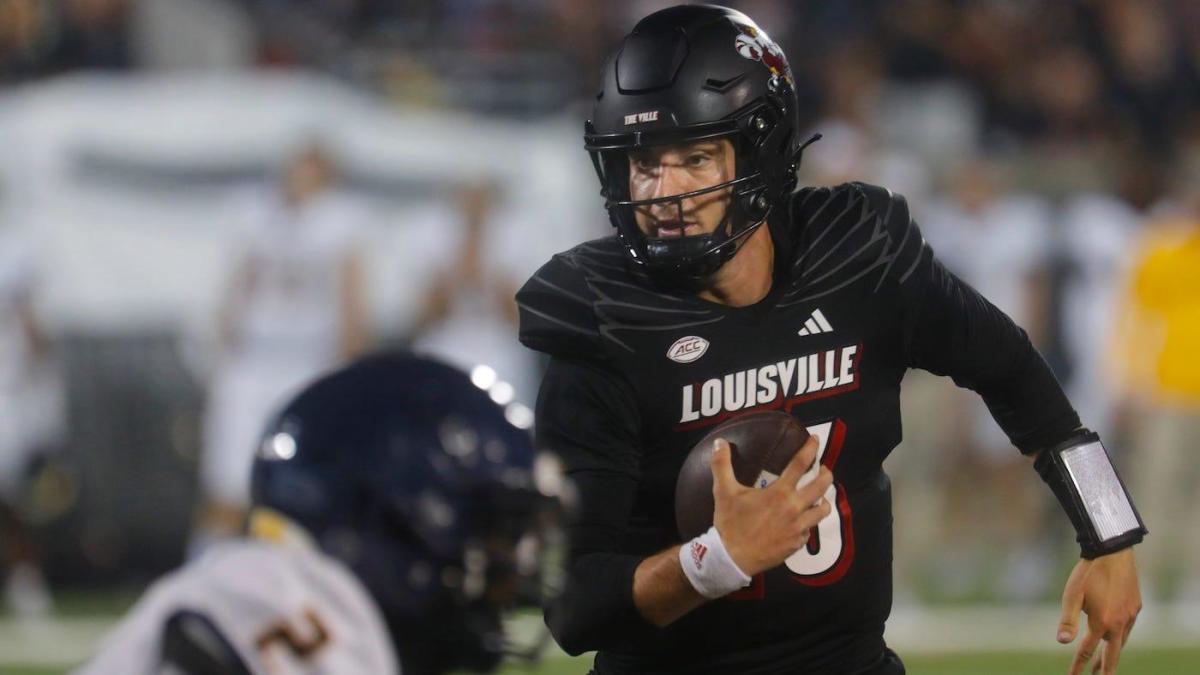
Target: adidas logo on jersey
x: 816, y: 324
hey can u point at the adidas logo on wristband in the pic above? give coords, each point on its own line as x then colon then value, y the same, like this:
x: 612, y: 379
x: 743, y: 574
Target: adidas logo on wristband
x: 708, y: 567
x: 698, y: 551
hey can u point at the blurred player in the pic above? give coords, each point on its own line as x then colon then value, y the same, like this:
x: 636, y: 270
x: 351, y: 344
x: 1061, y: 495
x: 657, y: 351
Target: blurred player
x: 1160, y: 337
x: 996, y: 240
x: 31, y: 417
x: 726, y: 289
x: 468, y: 316
x: 295, y: 307
x: 395, y: 514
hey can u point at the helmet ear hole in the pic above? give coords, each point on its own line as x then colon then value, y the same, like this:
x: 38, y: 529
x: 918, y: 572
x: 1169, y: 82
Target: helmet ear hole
x: 755, y: 206
x: 758, y: 124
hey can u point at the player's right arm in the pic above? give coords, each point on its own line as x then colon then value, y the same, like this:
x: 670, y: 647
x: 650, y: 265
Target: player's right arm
x: 588, y: 415
x: 760, y: 529
x: 233, y: 301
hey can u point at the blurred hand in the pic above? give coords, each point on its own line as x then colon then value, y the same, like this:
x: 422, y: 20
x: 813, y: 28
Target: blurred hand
x: 1106, y: 589
x: 763, y: 527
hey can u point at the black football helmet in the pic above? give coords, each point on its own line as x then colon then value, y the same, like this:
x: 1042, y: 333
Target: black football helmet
x: 685, y: 74
x: 428, y: 490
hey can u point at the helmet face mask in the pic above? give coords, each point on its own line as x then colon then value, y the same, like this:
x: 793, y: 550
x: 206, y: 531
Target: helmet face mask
x: 706, y: 239
x: 685, y: 75
x: 504, y: 565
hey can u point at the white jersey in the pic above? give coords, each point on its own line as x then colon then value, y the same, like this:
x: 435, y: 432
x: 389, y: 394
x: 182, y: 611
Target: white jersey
x: 293, y: 308
x: 31, y: 390
x: 16, y: 279
x: 287, y: 330
x: 477, y: 330
x: 1098, y: 232
x: 16, y: 272
x: 271, y: 602
x: 995, y: 249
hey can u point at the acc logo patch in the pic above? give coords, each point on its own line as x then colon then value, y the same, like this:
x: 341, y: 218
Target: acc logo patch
x: 687, y: 349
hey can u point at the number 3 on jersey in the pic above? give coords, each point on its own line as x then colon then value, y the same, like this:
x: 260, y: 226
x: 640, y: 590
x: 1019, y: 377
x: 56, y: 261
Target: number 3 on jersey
x: 830, y: 548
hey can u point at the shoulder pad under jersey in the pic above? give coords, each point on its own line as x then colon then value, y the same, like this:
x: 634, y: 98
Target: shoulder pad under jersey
x: 848, y: 233
x: 556, y: 304
x: 589, y: 303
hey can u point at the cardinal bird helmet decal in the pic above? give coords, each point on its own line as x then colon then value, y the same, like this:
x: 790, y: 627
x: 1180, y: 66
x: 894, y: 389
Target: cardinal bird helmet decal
x: 753, y: 43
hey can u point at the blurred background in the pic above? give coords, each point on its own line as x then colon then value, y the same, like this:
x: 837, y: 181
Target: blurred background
x: 204, y: 202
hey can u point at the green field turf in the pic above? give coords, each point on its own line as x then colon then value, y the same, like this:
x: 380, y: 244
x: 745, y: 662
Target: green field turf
x: 1136, y: 662
x: 1181, y: 657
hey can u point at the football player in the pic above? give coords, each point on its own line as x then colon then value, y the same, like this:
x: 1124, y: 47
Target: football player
x: 396, y: 512
x: 726, y: 289
x: 32, y: 413
x: 295, y: 307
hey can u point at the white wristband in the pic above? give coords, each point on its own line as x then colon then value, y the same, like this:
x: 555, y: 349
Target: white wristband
x: 707, y: 565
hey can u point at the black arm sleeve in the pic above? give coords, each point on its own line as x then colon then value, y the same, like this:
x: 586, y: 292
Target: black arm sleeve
x: 192, y: 644
x: 588, y: 415
x: 950, y: 329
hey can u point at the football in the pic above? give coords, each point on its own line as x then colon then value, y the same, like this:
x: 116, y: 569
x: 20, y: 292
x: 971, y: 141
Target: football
x: 762, y: 443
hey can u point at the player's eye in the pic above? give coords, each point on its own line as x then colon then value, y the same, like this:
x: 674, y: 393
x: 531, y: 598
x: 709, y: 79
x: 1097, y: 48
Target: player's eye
x: 697, y: 160
x: 645, y: 164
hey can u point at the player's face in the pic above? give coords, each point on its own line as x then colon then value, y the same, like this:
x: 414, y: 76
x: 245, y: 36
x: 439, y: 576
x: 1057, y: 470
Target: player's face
x: 307, y: 175
x: 664, y: 171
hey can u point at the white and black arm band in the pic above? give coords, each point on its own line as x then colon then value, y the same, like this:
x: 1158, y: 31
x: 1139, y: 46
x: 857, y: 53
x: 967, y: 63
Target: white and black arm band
x: 1082, y: 476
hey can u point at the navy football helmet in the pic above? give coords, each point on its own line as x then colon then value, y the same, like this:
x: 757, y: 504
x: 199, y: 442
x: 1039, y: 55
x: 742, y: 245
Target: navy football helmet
x: 686, y: 74
x: 412, y: 476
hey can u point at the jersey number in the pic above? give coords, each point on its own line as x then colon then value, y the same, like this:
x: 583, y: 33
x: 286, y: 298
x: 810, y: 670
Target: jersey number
x: 303, y: 641
x: 830, y: 549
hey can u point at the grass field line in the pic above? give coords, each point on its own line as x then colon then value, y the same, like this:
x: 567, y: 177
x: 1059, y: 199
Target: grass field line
x: 923, y: 630
x: 62, y: 642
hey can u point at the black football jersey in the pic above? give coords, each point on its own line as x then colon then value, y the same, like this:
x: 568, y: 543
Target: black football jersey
x: 638, y: 374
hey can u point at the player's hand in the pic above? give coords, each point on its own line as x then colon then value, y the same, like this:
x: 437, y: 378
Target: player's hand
x: 762, y: 528
x: 1106, y: 589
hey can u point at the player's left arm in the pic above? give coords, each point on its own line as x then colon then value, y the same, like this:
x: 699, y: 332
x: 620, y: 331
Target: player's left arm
x: 159, y: 635
x: 192, y: 644
x: 950, y: 329
x: 353, y: 323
